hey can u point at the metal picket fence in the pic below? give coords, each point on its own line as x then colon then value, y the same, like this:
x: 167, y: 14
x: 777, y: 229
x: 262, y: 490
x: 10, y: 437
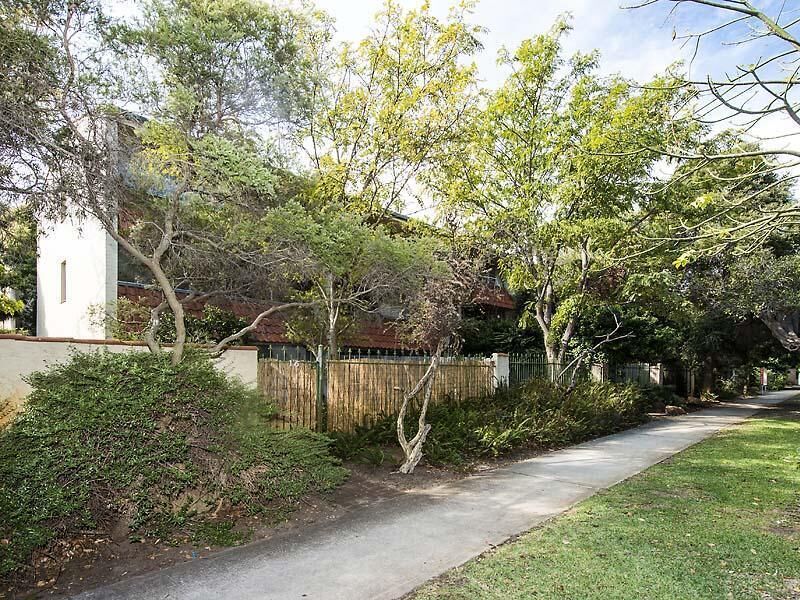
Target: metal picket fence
x: 535, y: 365
x: 643, y: 373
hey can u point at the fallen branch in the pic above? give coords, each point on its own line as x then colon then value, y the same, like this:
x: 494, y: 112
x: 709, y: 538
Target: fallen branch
x: 412, y: 449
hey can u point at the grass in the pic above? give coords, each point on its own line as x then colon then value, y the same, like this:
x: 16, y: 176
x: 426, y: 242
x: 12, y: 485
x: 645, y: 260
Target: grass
x: 220, y: 533
x: 721, y: 520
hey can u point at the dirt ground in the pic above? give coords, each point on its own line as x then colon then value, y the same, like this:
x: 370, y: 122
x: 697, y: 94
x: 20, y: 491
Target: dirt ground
x: 101, y: 557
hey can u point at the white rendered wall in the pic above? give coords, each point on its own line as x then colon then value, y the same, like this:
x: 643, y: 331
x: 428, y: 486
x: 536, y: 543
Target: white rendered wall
x: 20, y: 356
x: 91, y: 278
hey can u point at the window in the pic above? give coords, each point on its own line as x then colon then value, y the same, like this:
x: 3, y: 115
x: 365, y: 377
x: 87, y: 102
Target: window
x: 63, y: 281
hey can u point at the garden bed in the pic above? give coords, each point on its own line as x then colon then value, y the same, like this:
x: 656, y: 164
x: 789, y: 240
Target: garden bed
x: 470, y: 437
x: 719, y: 520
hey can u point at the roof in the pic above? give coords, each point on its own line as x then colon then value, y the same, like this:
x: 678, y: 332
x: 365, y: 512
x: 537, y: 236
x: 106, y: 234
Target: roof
x: 494, y: 296
x: 372, y: 333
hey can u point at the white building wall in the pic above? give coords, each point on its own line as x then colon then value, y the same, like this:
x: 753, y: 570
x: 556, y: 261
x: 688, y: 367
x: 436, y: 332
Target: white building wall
x: 90, y: 257
x: 20, y: 356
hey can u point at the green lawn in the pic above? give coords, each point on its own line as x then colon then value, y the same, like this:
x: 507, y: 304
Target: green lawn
x: 721, y: 520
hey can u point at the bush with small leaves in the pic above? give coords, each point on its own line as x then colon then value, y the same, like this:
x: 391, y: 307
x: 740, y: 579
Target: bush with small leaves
x: 538, y: 414
x: 128, y: 438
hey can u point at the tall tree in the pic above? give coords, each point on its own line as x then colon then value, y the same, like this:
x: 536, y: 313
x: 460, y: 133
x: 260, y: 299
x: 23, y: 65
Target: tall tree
x: 31, y: 69
x: 435, y: 313
x: 384, y: 110
x: 760, y: 98
x: 181, y: 189
x: 541, y: 180
x: 344, y: 267
x: 18, y: 266
x: 705, y: 231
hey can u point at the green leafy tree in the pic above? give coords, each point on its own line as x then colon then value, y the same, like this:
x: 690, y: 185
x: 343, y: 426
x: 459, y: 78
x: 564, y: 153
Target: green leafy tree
x: 705, y: 230
x: 710, y: 206
x: 344, y: 266
x: 31, y: 68
x: 762, y: 284
x: 757, y: 96
x: 180, y: 189
x: 540, y: 178
x: 18, y: 266
x: 384, y: 110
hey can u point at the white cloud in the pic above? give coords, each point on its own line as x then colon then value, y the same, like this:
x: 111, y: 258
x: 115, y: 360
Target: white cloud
x: 638, y: 44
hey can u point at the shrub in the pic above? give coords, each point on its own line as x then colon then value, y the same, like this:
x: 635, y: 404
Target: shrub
x: 777, y: 381
x: 659, y: 396
x: 742, y: 380
x: 591, y: 410
x: 128, y: 438
x: 130, y: 321
x: 364, y: 444
x: 729, y: 388
x: 538, y: 414
x: 10, y: 306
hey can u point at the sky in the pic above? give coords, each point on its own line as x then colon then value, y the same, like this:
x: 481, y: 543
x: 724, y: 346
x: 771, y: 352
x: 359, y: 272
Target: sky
x: 638, y: 44
x: 635, y: 43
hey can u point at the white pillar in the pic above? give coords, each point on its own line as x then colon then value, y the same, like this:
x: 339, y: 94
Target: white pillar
x: 501, y: 369
x: 600, y: 372
x: 656, y: 374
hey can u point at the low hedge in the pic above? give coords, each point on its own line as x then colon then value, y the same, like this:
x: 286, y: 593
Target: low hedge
x: 129, y: 438
x: 538, y: 414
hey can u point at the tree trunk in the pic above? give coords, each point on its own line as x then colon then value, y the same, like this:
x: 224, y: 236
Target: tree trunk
x: 333, y: 342
x: 153, y: 264
x: 785, y: 328
x: 333, y: 319
x: 176, y: 307
x: 708, y: 374
x: 553, y: 353
x: 151, y: 337
x: 412, y: 449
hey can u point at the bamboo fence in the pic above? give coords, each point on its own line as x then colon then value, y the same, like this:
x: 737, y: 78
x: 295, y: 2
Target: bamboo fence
x: 359, y: 391
x: 292, y: 386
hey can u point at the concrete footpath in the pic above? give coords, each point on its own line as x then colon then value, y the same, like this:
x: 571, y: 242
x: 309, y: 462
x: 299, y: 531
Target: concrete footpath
x: 390, y: 548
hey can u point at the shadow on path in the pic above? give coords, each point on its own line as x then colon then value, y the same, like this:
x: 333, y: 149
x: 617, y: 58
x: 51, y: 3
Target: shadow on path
x: 389, y: 549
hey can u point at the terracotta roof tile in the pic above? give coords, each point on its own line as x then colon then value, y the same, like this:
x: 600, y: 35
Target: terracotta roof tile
x: 371, y: 333
x: 272, y: 330
x: 494, y: 296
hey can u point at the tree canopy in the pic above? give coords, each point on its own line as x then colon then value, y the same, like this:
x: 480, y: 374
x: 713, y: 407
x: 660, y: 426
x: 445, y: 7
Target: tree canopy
x: 234, y: 150
x: 541, y: 176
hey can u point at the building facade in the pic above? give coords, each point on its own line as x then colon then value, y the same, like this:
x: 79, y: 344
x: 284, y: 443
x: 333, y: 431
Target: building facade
x: 76, y: 278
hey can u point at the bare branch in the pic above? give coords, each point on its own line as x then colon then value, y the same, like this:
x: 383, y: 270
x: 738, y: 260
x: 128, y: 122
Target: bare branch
x: 224, y: 343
